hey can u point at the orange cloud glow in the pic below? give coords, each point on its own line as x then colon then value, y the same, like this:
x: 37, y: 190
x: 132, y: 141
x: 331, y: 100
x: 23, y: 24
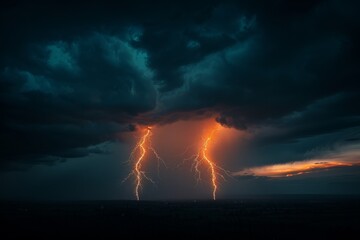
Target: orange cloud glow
x: 294, y: 168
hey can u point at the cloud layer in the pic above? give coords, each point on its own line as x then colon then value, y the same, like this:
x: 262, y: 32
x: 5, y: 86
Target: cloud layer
x: 74, y: 76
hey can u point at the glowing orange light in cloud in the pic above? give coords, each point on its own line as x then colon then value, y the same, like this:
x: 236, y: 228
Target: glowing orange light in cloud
x: 294, y: 168
x: 203, y: 138
x: 138, y: 155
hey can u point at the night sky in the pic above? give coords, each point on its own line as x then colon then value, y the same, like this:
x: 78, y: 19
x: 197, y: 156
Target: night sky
x: 80, y: 83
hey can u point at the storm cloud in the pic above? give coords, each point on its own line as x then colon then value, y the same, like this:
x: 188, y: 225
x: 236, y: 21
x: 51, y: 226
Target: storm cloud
x: 74, y: 76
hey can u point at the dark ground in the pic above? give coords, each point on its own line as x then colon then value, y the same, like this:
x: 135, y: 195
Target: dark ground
x: 281, y: 217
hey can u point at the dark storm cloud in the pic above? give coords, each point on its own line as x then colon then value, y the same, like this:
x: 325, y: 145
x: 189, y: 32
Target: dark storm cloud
x: 74, y: 76
x: 295, y: 71
x: 80, y: 93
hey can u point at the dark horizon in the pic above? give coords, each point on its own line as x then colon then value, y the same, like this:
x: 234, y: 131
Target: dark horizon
x: 233, y: 199
x: 280, y: 218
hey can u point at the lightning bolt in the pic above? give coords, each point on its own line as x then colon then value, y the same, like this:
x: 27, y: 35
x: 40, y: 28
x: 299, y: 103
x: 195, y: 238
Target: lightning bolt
x: 138, y: 155
x: 212, y: 165
x: 202, y: 157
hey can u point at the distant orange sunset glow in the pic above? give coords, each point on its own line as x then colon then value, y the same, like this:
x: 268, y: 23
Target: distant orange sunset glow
x: 295, y: 168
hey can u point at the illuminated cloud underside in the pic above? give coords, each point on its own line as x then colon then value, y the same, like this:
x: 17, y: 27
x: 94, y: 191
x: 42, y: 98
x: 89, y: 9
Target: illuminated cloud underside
x: 345, y: 156
x: 294, y: 168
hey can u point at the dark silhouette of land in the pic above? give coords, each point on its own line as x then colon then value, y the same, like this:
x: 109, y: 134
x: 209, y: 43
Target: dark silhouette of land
x: 270, y: 217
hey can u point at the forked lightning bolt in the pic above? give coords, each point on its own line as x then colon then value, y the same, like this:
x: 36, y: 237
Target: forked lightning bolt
x: 211, y: 165
x: 138, y: 155
x: 201, y: 157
